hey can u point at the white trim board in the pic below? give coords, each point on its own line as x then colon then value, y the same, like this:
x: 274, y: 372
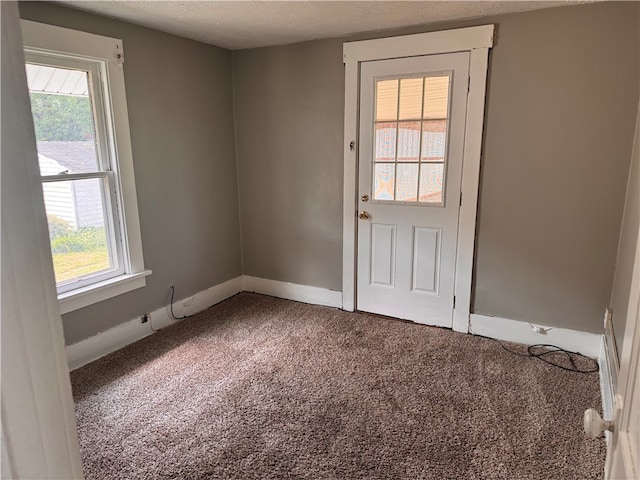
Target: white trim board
x: 445, y: 41
x: 586, y: 343
x: 104, y: 343
x: 475, y: 40
x: 609, y: 369
x: 293, y: 291
x: 606, y: 382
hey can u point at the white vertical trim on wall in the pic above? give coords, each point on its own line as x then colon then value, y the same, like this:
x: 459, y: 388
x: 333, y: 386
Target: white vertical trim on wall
x: 350, y: 201
x: 622, y: 456
x: 607, y: 372
x: 477, y: 41
x: 38, y: 421
x: 478, y: 64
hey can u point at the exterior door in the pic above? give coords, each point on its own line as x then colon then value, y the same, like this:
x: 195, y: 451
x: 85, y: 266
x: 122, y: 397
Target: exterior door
x: 411, y: 139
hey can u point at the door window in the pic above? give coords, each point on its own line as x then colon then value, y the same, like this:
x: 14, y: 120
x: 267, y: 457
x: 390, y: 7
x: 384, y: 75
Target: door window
x: 410, y: 139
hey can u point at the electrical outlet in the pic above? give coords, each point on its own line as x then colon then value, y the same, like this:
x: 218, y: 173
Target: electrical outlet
x: 144, y: 318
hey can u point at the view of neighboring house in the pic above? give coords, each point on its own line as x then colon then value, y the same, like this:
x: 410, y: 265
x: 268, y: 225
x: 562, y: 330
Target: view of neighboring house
x: 63, y: 198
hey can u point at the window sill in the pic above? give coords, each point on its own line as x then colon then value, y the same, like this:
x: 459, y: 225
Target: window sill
x: 83, y: 297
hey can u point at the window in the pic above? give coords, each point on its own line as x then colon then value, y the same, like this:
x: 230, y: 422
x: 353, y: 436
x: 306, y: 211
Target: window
x: 78, y: 103
x: 410, y: 138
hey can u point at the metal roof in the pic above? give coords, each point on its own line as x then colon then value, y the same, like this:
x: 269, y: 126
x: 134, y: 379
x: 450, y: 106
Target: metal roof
x: 62, y: 81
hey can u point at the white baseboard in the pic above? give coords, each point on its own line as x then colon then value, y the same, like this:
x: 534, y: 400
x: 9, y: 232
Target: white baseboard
x: 103, y: 343
x: 588, y: 344
x: 97, y: 346
x: 162, y: 318
x: 93, y: 348
x: 293, y: 291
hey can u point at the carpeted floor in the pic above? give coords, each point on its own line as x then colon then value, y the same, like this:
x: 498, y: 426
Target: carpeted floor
x: 262, y: 388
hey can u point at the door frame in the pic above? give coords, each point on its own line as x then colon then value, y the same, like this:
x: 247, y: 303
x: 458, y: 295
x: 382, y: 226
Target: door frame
x: 622, y: 457
x: 38, y: 423
x: 475, y: 40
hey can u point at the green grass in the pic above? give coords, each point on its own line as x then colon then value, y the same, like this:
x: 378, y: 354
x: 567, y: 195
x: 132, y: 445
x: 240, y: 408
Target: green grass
x: 77, y: 253
x: 78, y: 264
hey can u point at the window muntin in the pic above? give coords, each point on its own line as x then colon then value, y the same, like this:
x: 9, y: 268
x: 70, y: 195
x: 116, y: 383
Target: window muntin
x: 410, y: 138
x: 77, y: 158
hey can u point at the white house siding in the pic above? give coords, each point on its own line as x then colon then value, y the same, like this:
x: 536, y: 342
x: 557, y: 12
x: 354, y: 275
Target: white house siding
x: 88, y: 197
x: 58, y: 196
x: 78, y: 202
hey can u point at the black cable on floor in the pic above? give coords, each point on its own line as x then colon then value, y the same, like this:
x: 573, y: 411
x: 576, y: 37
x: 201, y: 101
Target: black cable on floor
x: 572, y: 356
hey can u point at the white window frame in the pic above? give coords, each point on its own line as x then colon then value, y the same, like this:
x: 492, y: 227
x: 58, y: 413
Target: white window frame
x: 475, y: 40
x: 105, y: 172
x: 42, y: 39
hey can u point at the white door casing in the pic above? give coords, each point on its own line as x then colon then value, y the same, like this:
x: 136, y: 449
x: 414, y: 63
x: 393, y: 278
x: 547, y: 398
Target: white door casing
x: 407, y: 245
x: 474, y: 40
x: 38, y: 424
x: 623, y: 455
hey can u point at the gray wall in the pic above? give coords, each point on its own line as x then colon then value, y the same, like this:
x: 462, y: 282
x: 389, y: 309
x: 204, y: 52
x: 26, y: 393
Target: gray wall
x: 562, y: 96
x: 628, y: 243
x: 289, y: 104
x: 563, y: 93
x: 180, y: 111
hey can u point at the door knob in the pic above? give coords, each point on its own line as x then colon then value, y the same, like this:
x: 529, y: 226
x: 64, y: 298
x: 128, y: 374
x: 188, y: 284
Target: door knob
x: 365, y: 198
x: 594, y: 425
x: 364, y: 215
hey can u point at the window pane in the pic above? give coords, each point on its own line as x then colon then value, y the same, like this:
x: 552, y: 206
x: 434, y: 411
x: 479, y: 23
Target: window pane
x: 384, y: 181
x: 434, y: 140
x: 78, y: 229
x: 42, y: 78
x: 408, y: 141
x: 410, y: 99
x: 431, y: 178
x: 63, y: 120
x: 385, y: 142
x: 407, y: 182
x: 386, y: 100
x: 436, y: 97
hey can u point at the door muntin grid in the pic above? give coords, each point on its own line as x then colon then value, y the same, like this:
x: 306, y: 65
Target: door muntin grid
x: 410, y: 138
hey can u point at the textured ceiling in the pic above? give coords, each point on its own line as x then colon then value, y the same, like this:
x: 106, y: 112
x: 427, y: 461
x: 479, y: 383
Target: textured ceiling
x: 246, y: 24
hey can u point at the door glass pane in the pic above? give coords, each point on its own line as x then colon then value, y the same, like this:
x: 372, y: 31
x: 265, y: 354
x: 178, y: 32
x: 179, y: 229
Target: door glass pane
x: 384, y: 181
x: 63, y: 120
x: 408, y: 141
x: 434, y: 136
x: 431, y: 177
x: 436, y: 97
x: 413, y: 148
x: 386, y: 100
x: 78, y: 229
x: 407, y: 182
x: 385, y: 150
x: 410, y: 99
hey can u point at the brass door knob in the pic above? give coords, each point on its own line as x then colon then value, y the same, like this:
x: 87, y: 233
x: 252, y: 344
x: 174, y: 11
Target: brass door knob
x: 364, y: 215
x: 365, y: 198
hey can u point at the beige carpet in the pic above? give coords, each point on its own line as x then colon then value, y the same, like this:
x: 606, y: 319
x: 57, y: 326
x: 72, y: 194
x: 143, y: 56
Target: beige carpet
x: 262, y: 388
